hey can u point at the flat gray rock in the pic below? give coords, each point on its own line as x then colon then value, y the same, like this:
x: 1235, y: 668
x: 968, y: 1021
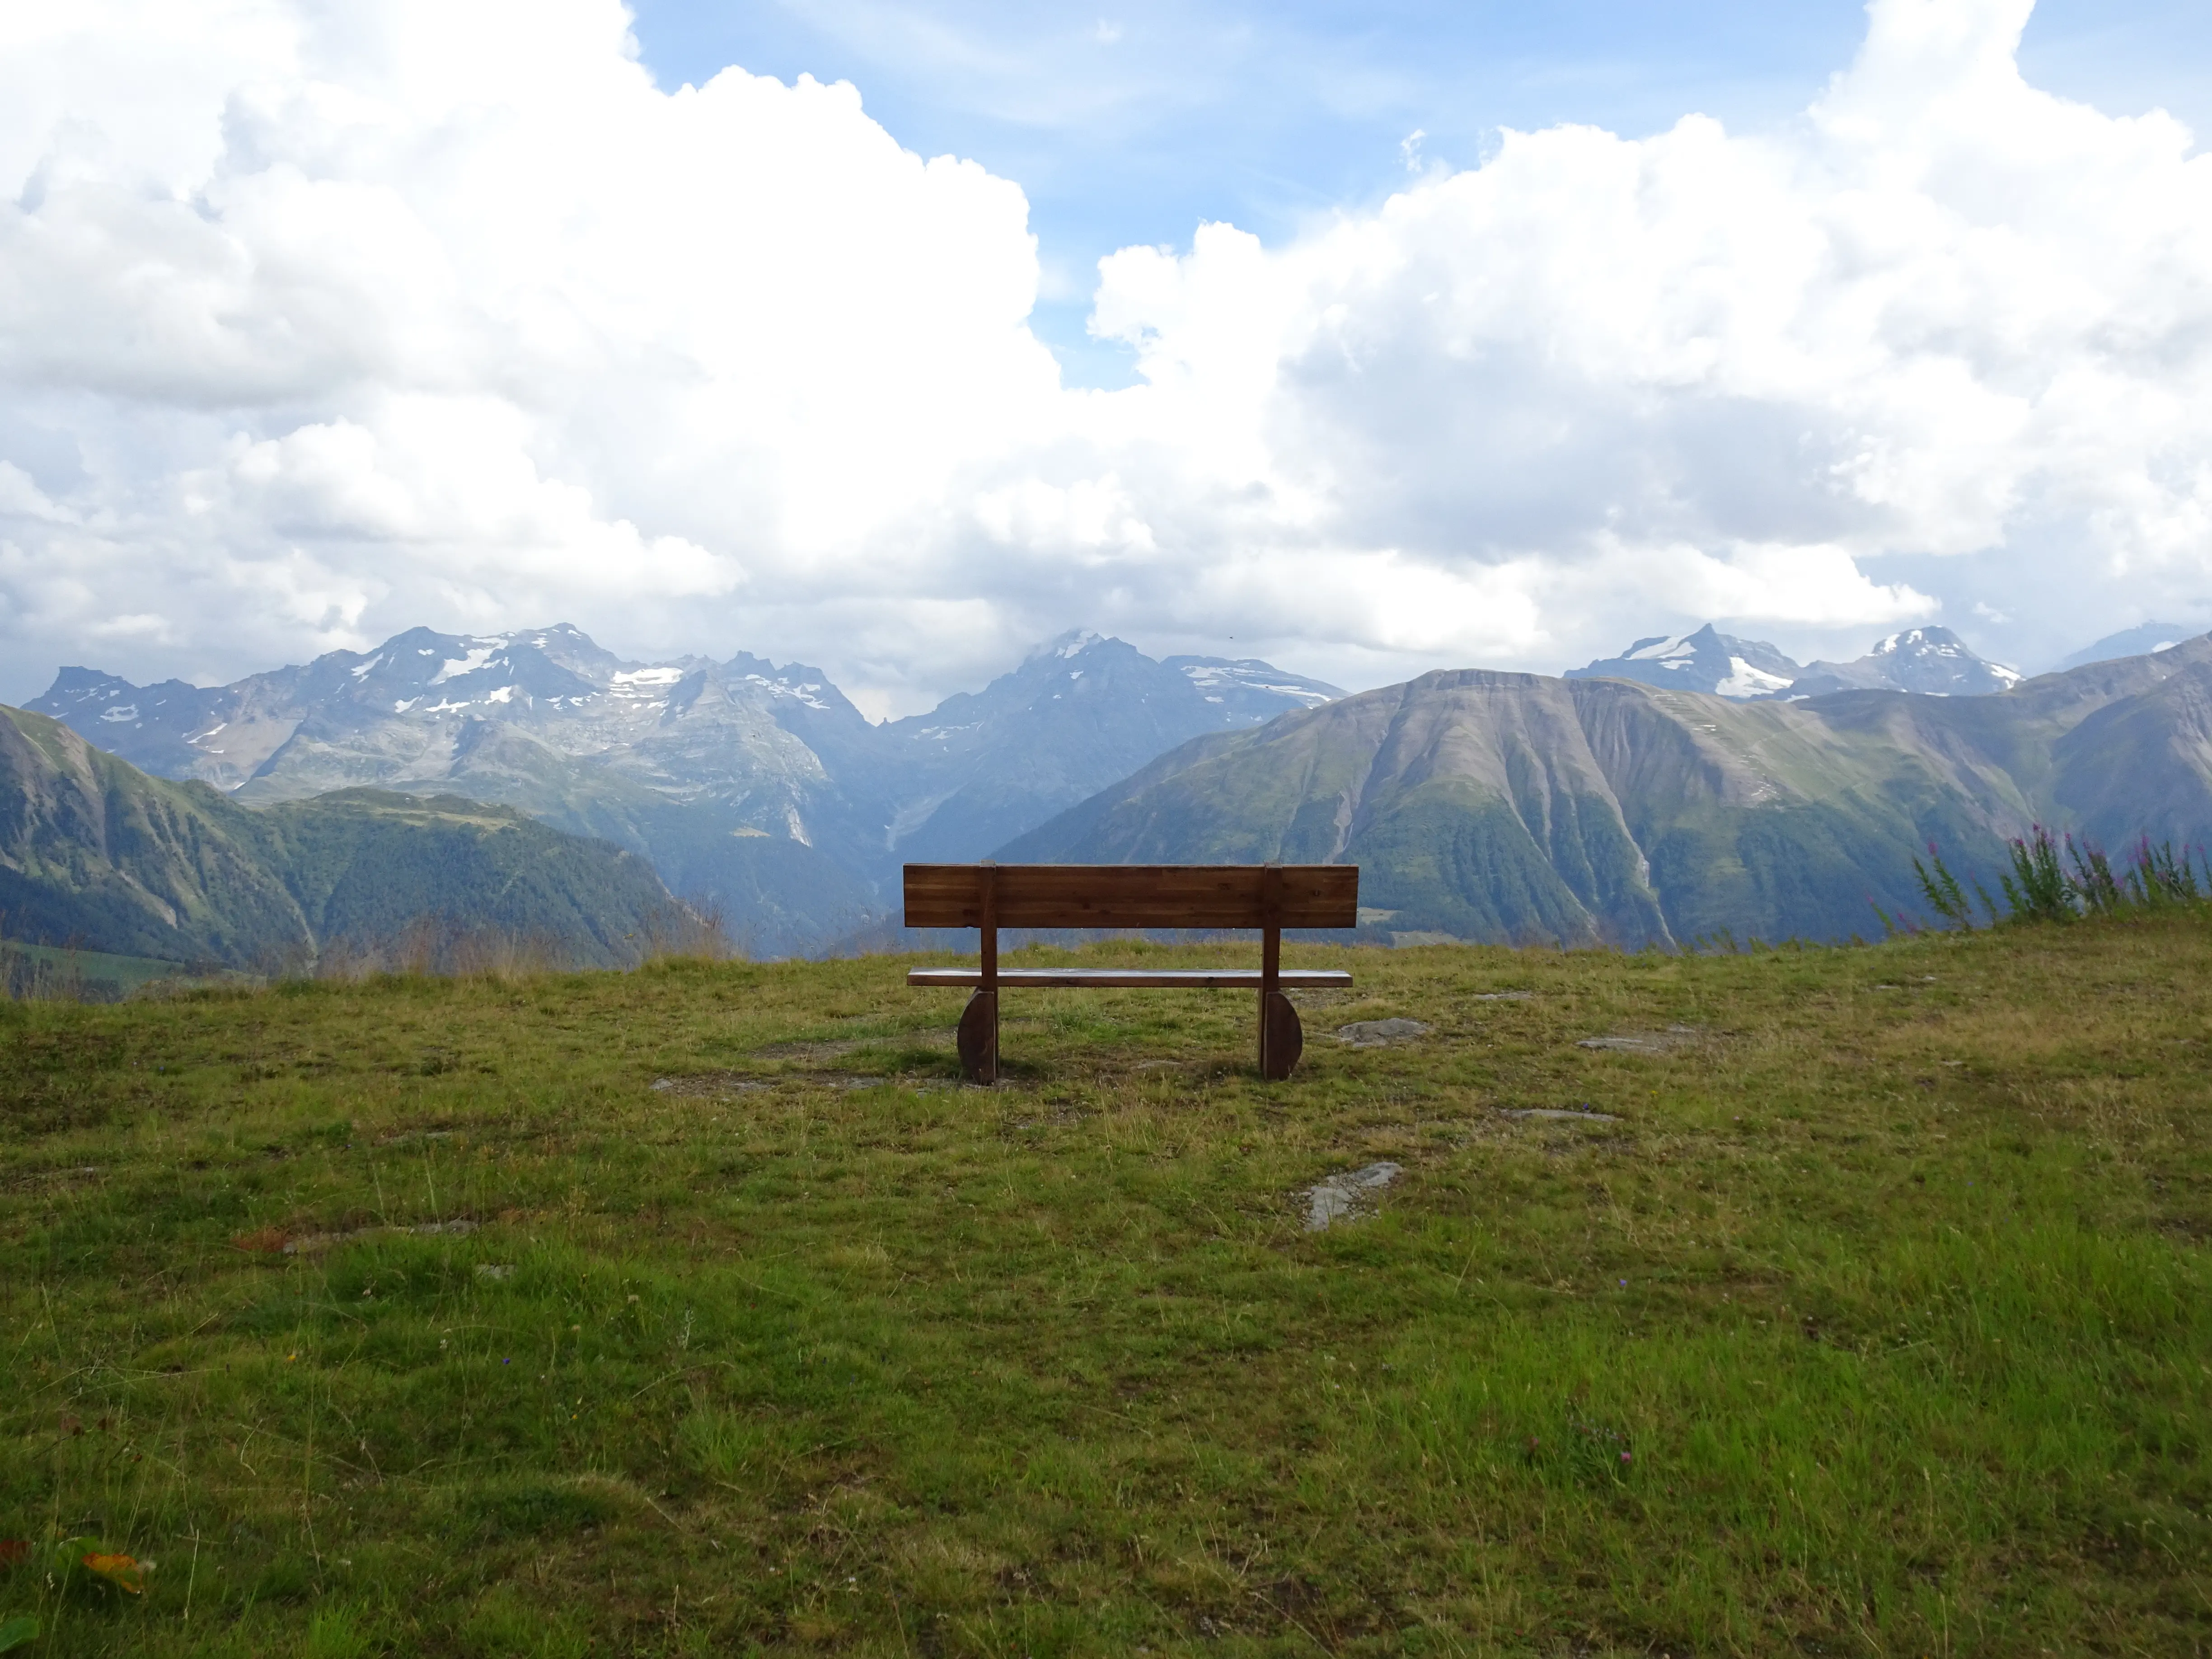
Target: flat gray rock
x: 460, y: 1227
x: 1379, y: 1033
x: 708, y: 1086
x: 1337, y: 1197
x: 1643, y: 1042
x: 1501, y: 996
x: 1558, y: 1114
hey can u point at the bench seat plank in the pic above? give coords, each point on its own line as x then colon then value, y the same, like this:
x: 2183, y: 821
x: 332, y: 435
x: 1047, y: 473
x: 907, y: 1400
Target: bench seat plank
x: 1107, y: 979
x: 1206, y: 895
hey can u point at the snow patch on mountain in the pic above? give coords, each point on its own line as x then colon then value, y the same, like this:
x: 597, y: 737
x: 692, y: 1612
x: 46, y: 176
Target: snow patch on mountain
x: 809, y: 693
x: 1744, y: 681
x: 1250, y: 692
x: 477, y: 656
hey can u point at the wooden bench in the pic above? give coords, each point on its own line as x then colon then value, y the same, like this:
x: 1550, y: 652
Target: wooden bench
x: 1268, y: 896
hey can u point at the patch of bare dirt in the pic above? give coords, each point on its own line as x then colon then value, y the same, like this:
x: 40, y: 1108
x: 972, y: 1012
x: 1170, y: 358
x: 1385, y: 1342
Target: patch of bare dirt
x: 809, y: 1051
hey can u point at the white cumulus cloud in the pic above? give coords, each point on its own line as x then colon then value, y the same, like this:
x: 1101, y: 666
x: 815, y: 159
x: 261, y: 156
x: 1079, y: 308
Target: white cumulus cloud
x: 318, y: 322
x: 1707, y: 375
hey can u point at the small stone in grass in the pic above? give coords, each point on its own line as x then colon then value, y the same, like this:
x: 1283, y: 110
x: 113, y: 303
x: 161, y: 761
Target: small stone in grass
x: 1336, y: 1198
x: 494, y: 1270
x: 1643, y: 1042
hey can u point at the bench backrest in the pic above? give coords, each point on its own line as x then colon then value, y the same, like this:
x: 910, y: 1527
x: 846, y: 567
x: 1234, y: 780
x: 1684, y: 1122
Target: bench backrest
x: 1134, y: 894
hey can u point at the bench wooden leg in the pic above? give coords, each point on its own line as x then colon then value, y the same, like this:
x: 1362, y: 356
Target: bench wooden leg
x: 979, y: 1038
x: 1282, y: 1039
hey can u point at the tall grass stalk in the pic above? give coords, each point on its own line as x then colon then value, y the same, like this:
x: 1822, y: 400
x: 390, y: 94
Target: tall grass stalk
x: 2046, y: 885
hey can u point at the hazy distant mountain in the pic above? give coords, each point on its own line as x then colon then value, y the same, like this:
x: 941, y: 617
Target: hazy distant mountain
x: 1247, y: 692
x: 1718, y: 664
x: 2131, y: 642
x: 1931, y: 660
x: 96, y: 853
x: 751, y: 784
x: 1513, y: 806
x: 1080, y: 712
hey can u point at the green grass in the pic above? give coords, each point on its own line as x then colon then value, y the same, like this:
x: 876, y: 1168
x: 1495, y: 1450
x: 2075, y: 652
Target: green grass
x: 64, y: 971
x: 1879, y: 1322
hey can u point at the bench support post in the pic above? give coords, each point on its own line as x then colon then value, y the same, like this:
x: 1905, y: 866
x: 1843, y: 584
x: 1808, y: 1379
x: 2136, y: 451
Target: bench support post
x: 1281, y: 1041
x: 979, y: 1037
x: 979, y: 1021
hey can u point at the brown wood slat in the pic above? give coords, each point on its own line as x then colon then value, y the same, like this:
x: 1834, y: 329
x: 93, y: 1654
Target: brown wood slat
x: 1111, y: 979
x: 1135, y: 896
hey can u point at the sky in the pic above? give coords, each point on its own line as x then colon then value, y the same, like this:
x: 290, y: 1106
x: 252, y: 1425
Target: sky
x: 1128, y: 126
x: 898, y: 337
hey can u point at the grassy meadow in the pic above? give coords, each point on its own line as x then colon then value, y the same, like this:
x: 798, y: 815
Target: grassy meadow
x: 1863, y: 1307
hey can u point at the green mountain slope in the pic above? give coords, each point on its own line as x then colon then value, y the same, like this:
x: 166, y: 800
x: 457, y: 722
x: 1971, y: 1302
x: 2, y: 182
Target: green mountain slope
x: 1515, y: 806
x: 780, y: 894
x: 95, y: 853
x: 364, y: 863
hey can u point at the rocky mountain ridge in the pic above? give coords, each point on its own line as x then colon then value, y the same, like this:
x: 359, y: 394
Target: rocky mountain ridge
x: 752, y: 784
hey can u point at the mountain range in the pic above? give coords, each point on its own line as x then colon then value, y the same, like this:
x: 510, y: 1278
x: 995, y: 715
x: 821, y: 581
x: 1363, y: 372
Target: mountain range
x: 1931, y: 660
x: 756, y: 787
x: 1502, y: 807
x: 94, y: 852
x: 1692, y: 786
